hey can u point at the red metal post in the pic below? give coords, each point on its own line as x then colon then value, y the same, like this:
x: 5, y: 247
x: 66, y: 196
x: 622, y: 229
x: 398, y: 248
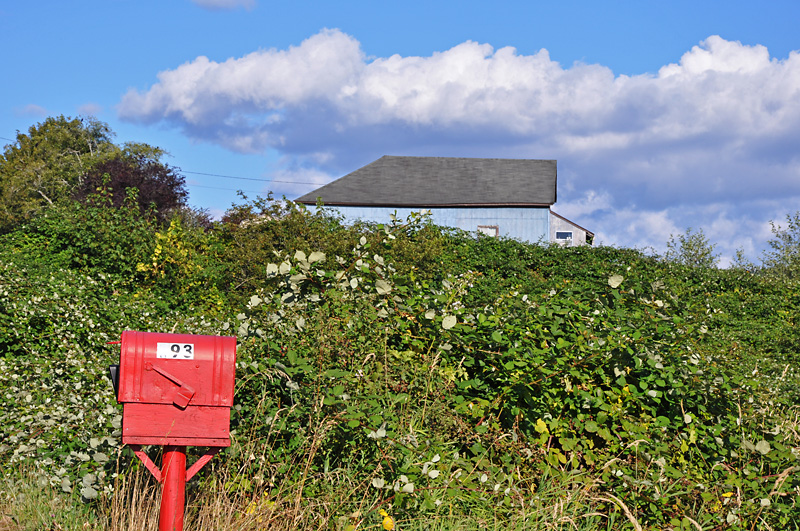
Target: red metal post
x: 173, y: 495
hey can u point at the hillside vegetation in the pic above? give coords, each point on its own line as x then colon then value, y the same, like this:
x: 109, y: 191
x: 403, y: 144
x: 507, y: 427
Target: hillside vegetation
x: 448, y: 380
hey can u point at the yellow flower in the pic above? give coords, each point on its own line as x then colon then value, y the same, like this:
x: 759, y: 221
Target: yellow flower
x: 258, y: 507
x: 388, y: 523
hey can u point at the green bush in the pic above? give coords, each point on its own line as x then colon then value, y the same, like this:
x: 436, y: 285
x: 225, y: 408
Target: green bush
x: 91, y: 237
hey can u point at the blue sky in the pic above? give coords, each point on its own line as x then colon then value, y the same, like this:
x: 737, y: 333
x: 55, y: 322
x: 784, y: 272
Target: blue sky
x: 662, y: 115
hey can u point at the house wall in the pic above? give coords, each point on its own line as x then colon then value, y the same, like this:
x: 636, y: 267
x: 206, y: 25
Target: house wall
x: 526, y: 224
x: 558, y: 224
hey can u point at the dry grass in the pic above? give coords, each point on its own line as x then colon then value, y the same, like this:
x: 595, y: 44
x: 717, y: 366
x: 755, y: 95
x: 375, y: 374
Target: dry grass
x: 29, y: 503
x: 135, y: 504
x: 214, y: 505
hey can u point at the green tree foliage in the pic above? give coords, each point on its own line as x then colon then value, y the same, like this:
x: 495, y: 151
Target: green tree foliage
x: 88, y: 237
x: 70, y: 158
x: 43, y: 166
x: 691, y: 249
x: 252, y: 232
x: 137, y: 166
x: 783, y: 258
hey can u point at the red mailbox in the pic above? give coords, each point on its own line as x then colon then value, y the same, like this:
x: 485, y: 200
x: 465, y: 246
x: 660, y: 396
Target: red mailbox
x: 176, y: 389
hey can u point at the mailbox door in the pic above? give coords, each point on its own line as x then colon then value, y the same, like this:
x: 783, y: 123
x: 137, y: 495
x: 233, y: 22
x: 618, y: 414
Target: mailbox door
x: 164, y: 424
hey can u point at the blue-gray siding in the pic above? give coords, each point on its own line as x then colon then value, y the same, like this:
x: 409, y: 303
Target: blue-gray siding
x: 523, y: 223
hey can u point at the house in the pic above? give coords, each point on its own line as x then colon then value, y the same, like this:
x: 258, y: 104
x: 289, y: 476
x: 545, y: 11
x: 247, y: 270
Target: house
x: 496, y: 197
x: 565, y: 232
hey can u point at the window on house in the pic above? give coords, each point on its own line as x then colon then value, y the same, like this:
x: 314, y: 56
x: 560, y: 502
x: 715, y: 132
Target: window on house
x: 489, y: 230
x: 564, y: 235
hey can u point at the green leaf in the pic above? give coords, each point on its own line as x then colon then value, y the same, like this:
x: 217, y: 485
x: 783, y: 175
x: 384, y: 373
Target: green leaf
x: 89, y: 493
x: 382, y: 287
x: 568, y: 443
x: 763, y: 447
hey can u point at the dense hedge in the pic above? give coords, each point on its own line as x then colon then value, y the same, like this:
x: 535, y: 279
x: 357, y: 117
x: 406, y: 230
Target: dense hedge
x: 444, y: 370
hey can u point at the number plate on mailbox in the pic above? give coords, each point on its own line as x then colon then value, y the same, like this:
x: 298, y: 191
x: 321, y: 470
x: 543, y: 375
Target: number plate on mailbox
x: 175, y: 351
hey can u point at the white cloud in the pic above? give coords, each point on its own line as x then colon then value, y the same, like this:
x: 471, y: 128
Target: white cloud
x: 90, y: 109
x: 296, y: 182
x: 590, y: 203
x: 241, y: 103
x: 647, y: 153
x: 726, y: 225
x: 225, y: 4
x: 722, y: 89
x: 31, y: 110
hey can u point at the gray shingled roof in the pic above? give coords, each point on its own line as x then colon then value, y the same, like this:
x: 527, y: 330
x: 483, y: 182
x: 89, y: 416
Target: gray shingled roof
x: 442, y: 181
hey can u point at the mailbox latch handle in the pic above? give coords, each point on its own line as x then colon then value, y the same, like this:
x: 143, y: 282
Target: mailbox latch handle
x: 184, y: 393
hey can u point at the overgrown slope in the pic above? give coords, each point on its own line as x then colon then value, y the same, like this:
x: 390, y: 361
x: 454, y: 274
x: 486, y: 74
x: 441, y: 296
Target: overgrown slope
x: 425, y: 372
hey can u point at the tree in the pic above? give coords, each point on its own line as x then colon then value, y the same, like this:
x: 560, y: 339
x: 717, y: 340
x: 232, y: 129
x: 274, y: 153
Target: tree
x: 137, y: 166
x: 783, y: 258
x: 742, y: 262
x: 692, y: 249
x: 63, y: 159
x: 43, y: 166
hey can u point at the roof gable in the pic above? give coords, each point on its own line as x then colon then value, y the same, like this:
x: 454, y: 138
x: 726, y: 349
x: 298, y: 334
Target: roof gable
x: 559, y: 216
x: 442, y: 181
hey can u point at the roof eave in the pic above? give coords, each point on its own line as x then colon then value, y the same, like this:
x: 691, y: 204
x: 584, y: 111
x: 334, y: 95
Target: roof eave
x: 427, y: 205
x: 587, y: 231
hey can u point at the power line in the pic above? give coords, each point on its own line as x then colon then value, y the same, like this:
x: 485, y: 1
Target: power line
x: 244, y: 178
x: 226, y: 189
x: 223, y: 176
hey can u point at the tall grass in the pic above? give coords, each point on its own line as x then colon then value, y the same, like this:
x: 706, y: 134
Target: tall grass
x: 557, y: 504
x: 29, y: 503
x: 248, y: 496
x: 240, y: 491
